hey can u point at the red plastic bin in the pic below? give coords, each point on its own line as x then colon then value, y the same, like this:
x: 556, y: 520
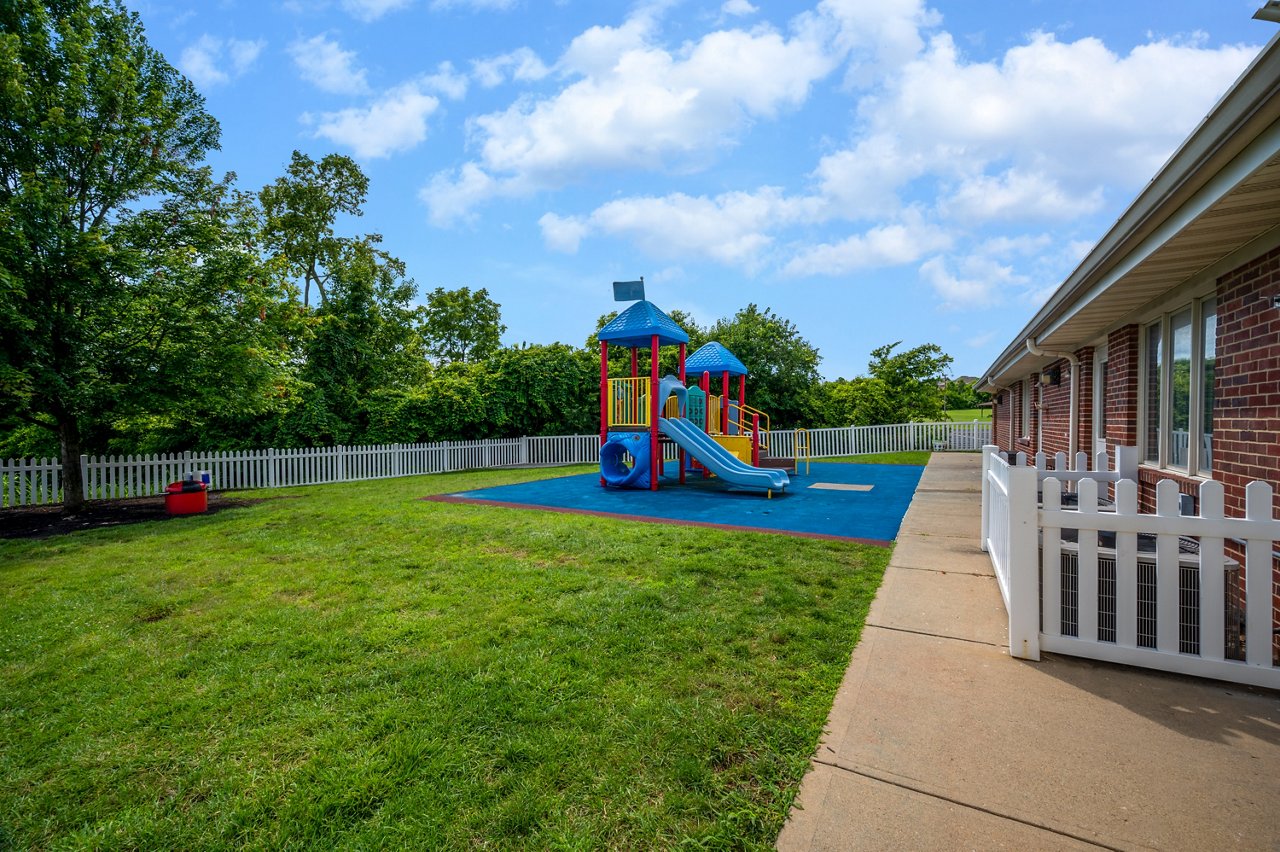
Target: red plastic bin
x: 186, y: 498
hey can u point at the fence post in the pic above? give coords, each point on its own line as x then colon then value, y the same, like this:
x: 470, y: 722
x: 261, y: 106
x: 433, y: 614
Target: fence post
x: 1024, y: 564
x: 1258, y: 573
x: 271, y: 468
x: 987, y: 452
x: 85, y: 486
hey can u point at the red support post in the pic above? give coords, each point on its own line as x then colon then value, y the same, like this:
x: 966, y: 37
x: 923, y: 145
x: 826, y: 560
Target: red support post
x: 724, y: 417
x: 604, y: 396
x: 682, y: 461
x: 635, y: 363
x: 742, y: 390
x: 755, y: 440
x: 655, y: 455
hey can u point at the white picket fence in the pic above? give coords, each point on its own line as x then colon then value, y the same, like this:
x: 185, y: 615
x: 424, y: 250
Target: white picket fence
x: 893, y: 438
x: 26, y: 482
x: 32, y: 482
x: 1078, y: 581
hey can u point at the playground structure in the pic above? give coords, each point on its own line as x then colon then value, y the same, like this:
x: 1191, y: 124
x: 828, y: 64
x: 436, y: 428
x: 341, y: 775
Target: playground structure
x: 715, y: 435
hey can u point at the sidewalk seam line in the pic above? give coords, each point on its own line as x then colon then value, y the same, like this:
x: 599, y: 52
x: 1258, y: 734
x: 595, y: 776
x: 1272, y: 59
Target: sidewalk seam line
x: 904, y: 786
x: 936, y: 635
x: 940, y: 571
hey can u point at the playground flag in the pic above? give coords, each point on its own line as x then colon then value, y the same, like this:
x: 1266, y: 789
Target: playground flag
x: 629, y: 291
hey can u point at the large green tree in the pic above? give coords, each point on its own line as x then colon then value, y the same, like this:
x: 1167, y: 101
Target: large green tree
x: 92, y: 119
x: 301, y: 208
x: 915, y: 380
x: 782, y: 365
x: 462, y: 325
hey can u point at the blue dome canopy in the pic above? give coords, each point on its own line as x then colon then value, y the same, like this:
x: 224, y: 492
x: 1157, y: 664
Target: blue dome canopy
x: 714, y: 359
x: 637, y: 325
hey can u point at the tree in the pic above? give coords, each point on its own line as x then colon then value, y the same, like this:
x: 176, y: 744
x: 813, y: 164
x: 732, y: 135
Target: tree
x: 201, y: 329
x: 91, y: 119
x: 462, y: 325
x: 300, y: 210
x: 367, y: 337
x: 782, y: 365
x: 913, y: 379
x: 854, y: 402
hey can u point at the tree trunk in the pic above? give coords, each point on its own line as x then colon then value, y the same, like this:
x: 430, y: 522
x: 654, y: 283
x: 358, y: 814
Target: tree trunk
x: 72, y: 480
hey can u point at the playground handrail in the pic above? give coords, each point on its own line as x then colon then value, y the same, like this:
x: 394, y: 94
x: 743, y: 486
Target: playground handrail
x: 627, y: 398
x: 802, y: 450
x: 745, y: 413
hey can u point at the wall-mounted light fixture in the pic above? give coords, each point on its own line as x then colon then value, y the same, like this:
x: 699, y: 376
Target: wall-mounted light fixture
x: 1052, y: 376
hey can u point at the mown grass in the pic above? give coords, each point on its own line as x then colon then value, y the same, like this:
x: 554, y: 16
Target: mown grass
x: 966, y: 415
x: 349, y: 667
x: 917, y: 458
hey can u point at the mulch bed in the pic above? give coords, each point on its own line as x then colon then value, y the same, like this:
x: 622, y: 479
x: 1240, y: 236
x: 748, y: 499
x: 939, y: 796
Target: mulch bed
x: 49, y: 521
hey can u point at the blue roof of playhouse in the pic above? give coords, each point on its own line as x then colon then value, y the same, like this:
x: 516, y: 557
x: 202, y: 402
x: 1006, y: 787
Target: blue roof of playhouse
x: 637, y: 324
x: 714, y: 358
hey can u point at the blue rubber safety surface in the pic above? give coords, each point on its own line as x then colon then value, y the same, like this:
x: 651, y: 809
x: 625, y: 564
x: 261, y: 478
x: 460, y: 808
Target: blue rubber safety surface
x: 873, y: 515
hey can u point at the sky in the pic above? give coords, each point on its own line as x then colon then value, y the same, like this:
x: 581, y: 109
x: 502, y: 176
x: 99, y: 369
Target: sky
x: 871, y: 170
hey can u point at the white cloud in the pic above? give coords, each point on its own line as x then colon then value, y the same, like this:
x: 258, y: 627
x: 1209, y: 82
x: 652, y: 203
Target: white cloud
x: 396, y: 121
x: 211, y: 61
x: 447, y: 82
x: 328, y: 67
x: 884, y: 245
x: 732, y: 228
x: 563, y: 233
x: 738, y: 8
x: 1018, y: 195
x: 634, y: 104
x: 1076, y: 114
x: 371, y: 10
x: 451, y: 197
x: 474, y: 5
x: 522, y: 65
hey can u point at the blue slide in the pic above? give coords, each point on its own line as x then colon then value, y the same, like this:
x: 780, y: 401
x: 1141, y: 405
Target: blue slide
x: 717, y: 459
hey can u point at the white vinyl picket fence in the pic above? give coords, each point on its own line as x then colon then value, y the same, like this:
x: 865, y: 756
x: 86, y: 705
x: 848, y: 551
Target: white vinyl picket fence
x: 892, y: 438
x: 26, y: 482
x: 1183, y: 593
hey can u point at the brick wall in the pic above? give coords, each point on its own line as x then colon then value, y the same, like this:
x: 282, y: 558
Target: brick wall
x: 1246, y: 412
x: 1122, y: 388
x: 1055, y: 415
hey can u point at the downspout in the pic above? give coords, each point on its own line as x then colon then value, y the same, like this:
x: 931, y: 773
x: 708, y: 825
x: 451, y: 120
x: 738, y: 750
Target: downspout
x: 1073, y: 420
x: 1000, y: 389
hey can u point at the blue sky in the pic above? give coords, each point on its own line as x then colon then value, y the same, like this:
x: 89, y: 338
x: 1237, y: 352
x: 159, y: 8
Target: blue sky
x: 873, y: 170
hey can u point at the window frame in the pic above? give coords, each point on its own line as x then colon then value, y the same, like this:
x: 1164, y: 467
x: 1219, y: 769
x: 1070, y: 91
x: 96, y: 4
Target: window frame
x: 1195, y: 466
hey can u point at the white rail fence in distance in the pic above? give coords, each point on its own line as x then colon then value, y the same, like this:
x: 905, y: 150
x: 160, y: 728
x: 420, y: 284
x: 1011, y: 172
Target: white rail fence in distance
x: 26, y: 482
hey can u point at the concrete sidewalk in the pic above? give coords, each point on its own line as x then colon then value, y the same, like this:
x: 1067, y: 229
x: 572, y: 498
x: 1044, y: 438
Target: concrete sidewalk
x: 938, y: 739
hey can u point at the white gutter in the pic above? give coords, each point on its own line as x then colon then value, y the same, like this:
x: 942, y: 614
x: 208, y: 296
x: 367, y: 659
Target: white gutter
x: 1074, y: 418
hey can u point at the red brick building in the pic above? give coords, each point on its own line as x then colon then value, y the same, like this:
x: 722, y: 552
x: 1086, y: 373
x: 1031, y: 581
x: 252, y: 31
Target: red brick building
x: 1167, y: 336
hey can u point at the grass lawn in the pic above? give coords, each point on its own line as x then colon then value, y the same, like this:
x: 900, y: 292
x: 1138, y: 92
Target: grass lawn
x: 346, y: 666
x: 966, y: 415
x: 917, y: 458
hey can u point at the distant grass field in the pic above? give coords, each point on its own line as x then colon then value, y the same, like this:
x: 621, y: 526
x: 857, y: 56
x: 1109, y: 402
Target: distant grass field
x: 348, y: 666
x: 917, y: 458
x: 967, y: 414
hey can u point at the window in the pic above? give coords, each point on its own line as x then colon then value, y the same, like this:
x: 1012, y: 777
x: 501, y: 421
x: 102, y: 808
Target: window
x: 1177, y: 380
x: 1154, y: 370
x: 1209, y: 336
x: 1100, y: 372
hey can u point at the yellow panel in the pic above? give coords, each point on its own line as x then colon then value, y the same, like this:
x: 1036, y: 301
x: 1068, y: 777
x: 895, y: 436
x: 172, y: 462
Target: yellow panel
x: 739, y: 445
